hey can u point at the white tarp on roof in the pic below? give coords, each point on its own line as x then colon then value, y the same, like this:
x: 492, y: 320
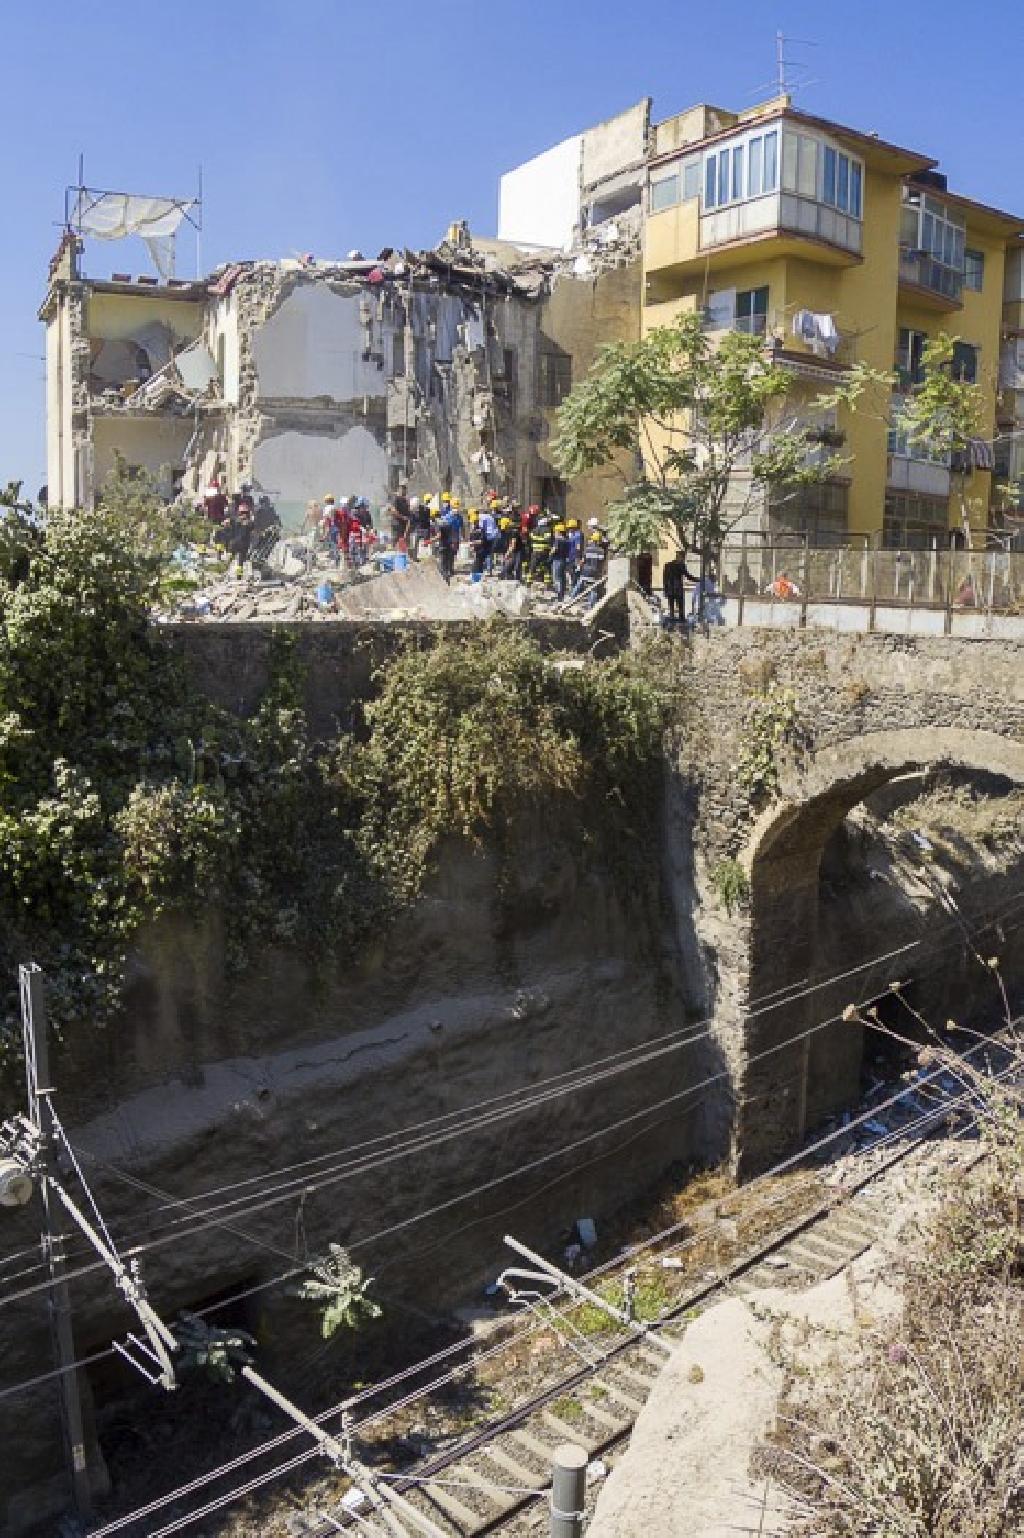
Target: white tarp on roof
x: 113, y: 215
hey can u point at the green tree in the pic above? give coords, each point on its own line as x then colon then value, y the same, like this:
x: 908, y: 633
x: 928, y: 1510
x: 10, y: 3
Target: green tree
x: 711, y: 425
x: 940, y: 416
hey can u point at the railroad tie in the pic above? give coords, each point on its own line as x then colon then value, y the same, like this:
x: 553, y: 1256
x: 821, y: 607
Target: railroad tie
x: 631, y: 1403
x: 542, y: 1450
x: 509, y: 1465
x: 461, y: 1516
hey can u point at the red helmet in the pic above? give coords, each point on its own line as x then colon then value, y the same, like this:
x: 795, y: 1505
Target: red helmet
x: 533, y: 508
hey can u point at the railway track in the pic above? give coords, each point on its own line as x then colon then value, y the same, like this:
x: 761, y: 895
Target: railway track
x: 492, y: 1480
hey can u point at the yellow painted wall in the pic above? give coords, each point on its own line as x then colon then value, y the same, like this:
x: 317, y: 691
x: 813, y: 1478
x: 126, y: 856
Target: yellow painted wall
x: 580, y: 317
x: 979, y: 323
x: 672, y: 235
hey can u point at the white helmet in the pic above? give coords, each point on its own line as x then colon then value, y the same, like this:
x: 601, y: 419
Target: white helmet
x: 592, y: 523
x: 415, y: 504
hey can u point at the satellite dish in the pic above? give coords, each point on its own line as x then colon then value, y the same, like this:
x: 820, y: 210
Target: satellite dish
x: 15, y: 1184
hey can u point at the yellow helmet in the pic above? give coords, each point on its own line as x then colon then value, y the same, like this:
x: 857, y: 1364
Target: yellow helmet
x: 445, y: 496
x: 560, y: 528
x: 474, y: 515
x: 504, y: 523
x: 455, y: 502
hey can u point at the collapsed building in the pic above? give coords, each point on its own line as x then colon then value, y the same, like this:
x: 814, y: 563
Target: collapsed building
x: 441, y: 370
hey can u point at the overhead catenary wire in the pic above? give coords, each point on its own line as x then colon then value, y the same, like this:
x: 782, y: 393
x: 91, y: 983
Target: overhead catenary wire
x: 230, y: 1497
x: 530, y: 1101
x: 465, y: 1195
x: 528, y: 1095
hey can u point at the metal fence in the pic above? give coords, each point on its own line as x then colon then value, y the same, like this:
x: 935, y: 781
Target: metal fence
x: 992, y: 581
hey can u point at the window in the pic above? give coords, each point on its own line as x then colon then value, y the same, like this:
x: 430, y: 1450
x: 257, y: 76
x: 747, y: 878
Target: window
x: 710, y: 182
x: 965, y: 363
x: 818, y: 512
x: 914, y: 522
x: 555, y: 377
x: 789, y: 149
x: 752, y: 311
x: 737, y: 173
x: 754, y: 163
x: 828, y: 181
x: 398, y: 354
x: 807, y: 167
x: 941, y: 234
x: 856, y: 188
x: 771, y: 162
x: 664, y: 193
x: 974, y: 270
x: 909, y: 354
x: 691, y: 179
x: 842, y: 180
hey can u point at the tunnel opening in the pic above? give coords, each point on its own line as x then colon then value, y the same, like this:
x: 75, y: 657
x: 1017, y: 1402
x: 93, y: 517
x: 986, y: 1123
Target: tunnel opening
x: 899, y: 859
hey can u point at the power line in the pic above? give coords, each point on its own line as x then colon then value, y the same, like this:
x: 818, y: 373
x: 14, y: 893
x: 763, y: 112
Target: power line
x: 180, y: 1492
x: 529, y: 1097
x: 465, y: 1195
x: 298, y: 1270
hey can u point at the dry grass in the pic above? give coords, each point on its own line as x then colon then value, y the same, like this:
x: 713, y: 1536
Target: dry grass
x: 920, y: 1434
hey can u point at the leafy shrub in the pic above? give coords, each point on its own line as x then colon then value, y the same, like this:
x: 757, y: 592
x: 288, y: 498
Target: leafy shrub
x: 124, y: 792
x: 731, y: 885
x: 772, y: 725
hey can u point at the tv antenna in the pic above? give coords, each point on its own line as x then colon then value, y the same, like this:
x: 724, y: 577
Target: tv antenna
x: 791, y: 75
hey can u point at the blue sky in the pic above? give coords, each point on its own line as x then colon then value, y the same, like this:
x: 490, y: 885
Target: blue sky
x: 331, y: 124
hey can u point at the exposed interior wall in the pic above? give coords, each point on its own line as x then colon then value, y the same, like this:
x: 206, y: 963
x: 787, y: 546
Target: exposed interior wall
x: 295, y: 467
x: 154, y: 443
x: 539, y: 201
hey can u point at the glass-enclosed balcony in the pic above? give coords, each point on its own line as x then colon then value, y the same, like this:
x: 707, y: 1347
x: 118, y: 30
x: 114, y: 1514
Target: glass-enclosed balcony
x: 769, y: 181
x: 932, y: 250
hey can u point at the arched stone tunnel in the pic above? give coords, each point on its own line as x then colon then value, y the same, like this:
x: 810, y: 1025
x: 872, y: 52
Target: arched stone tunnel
x: 782, y: 1000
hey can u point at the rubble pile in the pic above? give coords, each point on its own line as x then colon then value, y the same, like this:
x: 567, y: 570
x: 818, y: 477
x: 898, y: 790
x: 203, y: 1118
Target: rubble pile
x: 320, y: 593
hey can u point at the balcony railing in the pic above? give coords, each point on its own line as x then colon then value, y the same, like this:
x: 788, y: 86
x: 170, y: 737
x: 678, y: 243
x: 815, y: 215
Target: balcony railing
x: 921, y: 269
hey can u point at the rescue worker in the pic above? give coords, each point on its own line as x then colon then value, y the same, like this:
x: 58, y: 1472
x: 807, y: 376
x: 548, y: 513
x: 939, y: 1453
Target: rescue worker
x: 575, y: 551
x: 489, y: 525
x: 514, y: 544
x: 595, y: 557
x: 559, y: 559
x: 540, y: 541
x: 449, y: 528
x: 478, y: 543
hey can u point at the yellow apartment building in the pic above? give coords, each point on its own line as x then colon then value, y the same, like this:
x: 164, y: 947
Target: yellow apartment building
x: 837, y: 247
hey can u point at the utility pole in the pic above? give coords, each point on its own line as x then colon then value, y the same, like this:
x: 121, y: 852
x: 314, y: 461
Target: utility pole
x: 35, y: 1026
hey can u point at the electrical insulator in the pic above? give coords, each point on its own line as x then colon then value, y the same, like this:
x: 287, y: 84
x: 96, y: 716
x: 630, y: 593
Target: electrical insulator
x: 15, y: 1184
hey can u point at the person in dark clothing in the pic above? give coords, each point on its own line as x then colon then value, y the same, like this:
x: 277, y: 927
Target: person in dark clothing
x: 674, y: 575
x: 560, y: 548
x: 645, y: 573
x: 513, y: 552
x: 401, y: 517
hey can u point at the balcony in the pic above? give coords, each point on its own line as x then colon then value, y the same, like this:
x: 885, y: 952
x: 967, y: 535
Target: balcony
x: 682, y: 240
x: 931, y: 283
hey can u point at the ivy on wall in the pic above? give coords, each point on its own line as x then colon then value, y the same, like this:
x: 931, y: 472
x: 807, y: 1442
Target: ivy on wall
x: 125, y: 793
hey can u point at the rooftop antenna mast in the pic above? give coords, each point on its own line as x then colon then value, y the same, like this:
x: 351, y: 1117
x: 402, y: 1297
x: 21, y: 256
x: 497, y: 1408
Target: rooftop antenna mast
x: 785, y: 82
